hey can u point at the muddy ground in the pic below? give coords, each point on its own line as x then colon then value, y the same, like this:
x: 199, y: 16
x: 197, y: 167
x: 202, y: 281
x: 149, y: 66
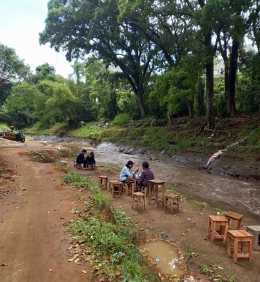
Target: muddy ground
x: 35, y: 207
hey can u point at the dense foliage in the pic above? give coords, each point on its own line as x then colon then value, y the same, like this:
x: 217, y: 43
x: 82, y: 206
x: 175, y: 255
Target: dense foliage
x: 152, y: 58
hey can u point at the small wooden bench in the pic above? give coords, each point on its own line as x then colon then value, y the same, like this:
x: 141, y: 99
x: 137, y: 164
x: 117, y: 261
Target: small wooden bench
x: 140, y: 198
x: 213, y: 231
x: 234, y: 220
x: 171, y: 201
x: 102, y: 181
x: 116, y: 188
x: 240, y: 250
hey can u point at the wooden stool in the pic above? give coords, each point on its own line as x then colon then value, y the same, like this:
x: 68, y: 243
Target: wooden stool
x: 91, y: 166
x: 241, y: 236
x: 102, y: 180
x: 170, y: 201
x: 234, y: 220
x: 255, y: 231
x: 116, y: 188
x: 155, y: 183
x: 140, y: 198
x: 110, y: 184
x: 214, y: 221
x: 129, y: 187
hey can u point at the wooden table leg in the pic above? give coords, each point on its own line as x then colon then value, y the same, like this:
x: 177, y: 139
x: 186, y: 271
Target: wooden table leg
x: 235, y: 250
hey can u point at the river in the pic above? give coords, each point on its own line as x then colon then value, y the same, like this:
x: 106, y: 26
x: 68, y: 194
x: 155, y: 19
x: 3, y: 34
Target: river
x: 184, y: 174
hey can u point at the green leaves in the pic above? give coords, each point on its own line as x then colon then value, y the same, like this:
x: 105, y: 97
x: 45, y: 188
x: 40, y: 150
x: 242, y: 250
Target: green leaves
x: 11, y: 66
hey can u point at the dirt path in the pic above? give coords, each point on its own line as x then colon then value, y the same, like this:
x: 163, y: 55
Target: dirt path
x: 34, y: 205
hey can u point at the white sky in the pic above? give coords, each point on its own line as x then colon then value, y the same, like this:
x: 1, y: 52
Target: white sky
x: 20, y: 24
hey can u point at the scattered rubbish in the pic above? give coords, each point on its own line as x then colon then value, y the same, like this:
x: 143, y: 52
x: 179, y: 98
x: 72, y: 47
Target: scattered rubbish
x: 157, y: 259
x: 214, y: 156
x: 164, y: 237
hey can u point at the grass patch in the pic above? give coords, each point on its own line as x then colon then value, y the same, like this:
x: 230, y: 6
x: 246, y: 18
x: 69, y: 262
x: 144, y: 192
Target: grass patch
x: 42, y: 157
x: 75, y: 179
x: 213, y: 272
x: 106, y: 238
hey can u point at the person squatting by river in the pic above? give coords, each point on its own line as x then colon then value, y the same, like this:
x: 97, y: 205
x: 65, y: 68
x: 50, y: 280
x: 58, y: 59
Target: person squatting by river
x: 90, y: 160
x: 81, y: 159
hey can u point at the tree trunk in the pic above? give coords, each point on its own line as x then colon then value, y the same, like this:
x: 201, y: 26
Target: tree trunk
x: 139, y: 96
x: 231, y: 106
x: 191, y: 110
x: 209, y: 93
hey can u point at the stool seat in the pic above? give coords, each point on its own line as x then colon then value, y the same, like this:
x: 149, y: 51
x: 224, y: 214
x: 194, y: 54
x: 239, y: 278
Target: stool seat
x: 213, y: 231
x: 102, y: 181
x: 171, y: 201
x: 240, y: 250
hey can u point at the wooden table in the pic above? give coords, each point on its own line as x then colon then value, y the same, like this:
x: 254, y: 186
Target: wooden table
x: 156, y: 183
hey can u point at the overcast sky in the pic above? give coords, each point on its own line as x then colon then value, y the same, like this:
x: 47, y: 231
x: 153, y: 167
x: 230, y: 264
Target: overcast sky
x: 20, y: 24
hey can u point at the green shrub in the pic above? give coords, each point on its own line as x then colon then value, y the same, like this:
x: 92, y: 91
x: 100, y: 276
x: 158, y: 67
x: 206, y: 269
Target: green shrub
x: 121, y: 119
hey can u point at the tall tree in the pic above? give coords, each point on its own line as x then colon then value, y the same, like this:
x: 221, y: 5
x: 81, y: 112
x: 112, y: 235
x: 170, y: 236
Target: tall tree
x: 12, y: 68
x: 84, y: 27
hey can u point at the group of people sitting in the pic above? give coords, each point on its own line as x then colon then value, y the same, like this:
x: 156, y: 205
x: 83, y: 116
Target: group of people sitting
x: 127, y: 174
x: 86, y: 160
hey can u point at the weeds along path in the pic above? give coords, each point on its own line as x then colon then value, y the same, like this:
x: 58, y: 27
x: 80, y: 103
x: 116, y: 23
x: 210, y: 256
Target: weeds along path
x: 34, y: 205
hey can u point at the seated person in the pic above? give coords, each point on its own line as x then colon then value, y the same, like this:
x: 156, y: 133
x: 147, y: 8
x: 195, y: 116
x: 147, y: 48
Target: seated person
x: 81, y: 159
x: 127, y: 174
x: 90, y: 159
x: 146, y: 175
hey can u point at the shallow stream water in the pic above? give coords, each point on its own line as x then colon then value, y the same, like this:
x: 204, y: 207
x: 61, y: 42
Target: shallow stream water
x: 185, y: 175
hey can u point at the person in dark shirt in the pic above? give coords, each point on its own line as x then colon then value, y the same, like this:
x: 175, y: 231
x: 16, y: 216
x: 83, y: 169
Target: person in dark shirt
x: 81, y: 159
x: 146, y: 175
x: 91, y: 160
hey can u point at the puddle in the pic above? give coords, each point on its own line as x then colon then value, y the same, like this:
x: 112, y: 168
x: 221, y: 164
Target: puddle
x: 165, y: 258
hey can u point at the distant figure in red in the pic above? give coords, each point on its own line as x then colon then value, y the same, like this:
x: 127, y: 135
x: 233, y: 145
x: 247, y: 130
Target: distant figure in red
x: 11, y: 128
